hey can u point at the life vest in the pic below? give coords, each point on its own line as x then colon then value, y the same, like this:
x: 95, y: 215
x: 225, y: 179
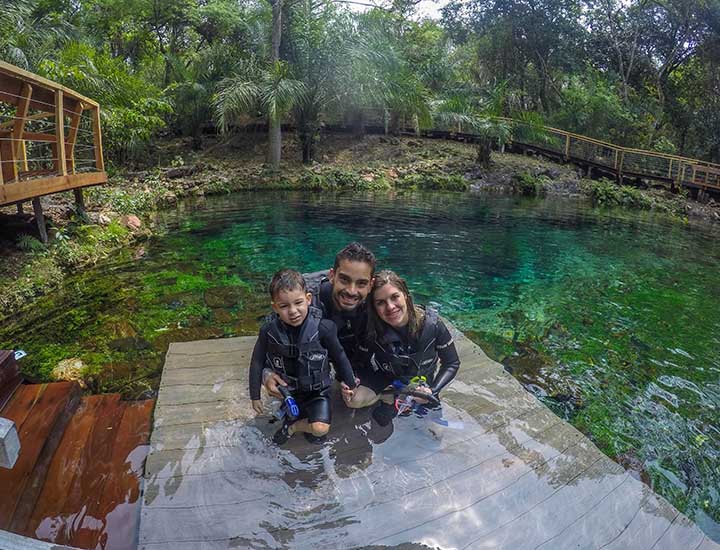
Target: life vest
x: 308, y: 357
x: 349, y: 333
x: 388, y: 353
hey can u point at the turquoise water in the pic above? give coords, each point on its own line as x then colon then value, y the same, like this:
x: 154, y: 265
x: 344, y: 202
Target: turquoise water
x: 612, y: 318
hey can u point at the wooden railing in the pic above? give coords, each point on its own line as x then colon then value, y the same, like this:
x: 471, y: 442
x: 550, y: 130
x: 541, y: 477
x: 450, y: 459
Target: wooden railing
x: 621, y: 161
x: 50, y: 138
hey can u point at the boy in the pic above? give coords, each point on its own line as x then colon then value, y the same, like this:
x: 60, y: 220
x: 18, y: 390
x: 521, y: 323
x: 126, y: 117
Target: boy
x: 296, y: 346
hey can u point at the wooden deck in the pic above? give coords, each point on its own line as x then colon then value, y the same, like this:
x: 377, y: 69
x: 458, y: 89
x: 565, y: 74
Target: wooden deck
x: 77, y: 479
x: 516, y: 476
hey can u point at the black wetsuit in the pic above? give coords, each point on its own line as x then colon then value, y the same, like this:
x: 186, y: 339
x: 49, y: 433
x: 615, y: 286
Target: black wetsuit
x: 351, y: 325
x: 314, y: 404
x: 396, y: 355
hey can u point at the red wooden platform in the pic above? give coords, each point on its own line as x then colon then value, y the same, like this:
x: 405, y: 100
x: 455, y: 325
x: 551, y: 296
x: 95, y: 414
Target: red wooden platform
x: 77, y: 479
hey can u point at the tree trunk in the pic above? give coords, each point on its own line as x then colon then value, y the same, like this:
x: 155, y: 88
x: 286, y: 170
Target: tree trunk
x: 358, y: 124
x: 274, y: 126
x: 483, y: 152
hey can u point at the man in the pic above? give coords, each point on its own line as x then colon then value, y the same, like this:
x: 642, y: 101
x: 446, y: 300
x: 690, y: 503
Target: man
x: 341, y: 298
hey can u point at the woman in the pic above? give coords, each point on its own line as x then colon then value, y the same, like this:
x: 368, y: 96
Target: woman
x: 404, y: 345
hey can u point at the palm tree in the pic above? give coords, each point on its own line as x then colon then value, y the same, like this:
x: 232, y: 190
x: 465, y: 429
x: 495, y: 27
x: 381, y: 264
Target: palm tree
x: 259, y: 90
x: 27, y: 38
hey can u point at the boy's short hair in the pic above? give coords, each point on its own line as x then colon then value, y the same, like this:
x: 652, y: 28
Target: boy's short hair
x: 355, y: 252
x: 286, y: 279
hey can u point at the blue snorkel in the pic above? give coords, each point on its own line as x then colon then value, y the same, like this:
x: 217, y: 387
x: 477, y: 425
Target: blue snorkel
x: 289, y: 405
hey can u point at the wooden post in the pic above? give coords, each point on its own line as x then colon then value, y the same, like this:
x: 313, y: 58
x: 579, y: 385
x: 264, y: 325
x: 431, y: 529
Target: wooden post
x: 670, y: 169
x: 24, y: 154
x: 620, y: 167
x: 60, y: 133
x: 19, y: 207
x: 615, y: 162
x: 19, y: 126
x: 72, y: 136
x: 97, y: 138
x: 693, y: 174
x: 567, y: 147
x: 40, y: 218
x: 79, y: 202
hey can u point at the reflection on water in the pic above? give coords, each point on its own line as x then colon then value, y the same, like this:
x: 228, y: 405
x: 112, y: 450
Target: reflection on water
x: 611, y: 319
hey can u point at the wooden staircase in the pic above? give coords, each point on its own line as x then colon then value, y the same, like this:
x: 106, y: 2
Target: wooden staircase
x: 77, y: 479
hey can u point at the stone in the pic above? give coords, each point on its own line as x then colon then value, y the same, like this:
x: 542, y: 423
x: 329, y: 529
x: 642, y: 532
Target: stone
x: 222, y: 316
x: 181, y: 172
x: 222, y: 297
x: 71, y: 370
x: 131, y: 221
x: 9, y: 443
x: 128, y: 344
x: 119, y: 329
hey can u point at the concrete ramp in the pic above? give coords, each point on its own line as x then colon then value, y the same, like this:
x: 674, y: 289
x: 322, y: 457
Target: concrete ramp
x: 506, y: 472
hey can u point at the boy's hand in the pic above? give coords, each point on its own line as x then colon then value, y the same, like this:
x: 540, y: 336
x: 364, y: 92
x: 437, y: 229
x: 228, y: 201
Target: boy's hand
x: 257, y: 406
x: 272, y: 382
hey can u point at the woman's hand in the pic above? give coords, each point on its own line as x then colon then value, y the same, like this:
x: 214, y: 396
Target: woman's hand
x: 257, y: 406
x: 421, y: 389
x: 271, y: 382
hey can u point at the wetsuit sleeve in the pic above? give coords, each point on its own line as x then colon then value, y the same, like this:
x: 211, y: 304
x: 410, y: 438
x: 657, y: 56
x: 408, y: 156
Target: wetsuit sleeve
x: 257, y: 363
x: 449, y: 360
x: 329, y: 340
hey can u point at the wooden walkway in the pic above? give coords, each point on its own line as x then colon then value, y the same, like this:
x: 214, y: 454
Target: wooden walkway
x: 77, y: 479
x: 515, y: 476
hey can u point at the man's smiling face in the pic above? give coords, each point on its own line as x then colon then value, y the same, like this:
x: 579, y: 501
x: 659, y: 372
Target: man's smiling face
x: 351, y: 283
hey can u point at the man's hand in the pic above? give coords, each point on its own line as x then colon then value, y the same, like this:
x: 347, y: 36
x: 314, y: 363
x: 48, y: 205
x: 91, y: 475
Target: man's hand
x: 422, y: 389
x: 347, y: 393
x: 257, y: 406
x: 271, y: 382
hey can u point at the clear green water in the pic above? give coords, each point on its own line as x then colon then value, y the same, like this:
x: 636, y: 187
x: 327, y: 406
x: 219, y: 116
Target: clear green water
x: 611, y: 318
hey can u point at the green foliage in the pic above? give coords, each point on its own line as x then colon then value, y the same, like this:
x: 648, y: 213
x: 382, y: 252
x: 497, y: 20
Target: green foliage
x: 529, y: 185
x: 608, y: 193
x: 591, y: 105
x: 434, y: 182
x: 28, y: 243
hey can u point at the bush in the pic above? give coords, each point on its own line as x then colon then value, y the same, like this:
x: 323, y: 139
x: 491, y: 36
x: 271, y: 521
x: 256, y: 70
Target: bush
x: 435, y: 182
x: 606, y: 193
x: 529, y: 185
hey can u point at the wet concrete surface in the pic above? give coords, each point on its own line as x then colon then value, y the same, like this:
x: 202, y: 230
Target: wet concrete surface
x: 506, y: 473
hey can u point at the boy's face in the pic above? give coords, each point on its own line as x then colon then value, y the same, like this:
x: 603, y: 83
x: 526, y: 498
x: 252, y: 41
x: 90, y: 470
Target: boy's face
x: 351, y: 283
x: 292, y: 306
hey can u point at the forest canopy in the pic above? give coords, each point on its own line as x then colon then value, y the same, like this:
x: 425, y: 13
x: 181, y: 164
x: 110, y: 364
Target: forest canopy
x: 638, y: 73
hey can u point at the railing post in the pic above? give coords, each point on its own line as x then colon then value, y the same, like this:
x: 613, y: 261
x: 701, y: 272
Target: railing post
x: 620, y: 167
x: 670, y: 169
x: 19, y: 126
x: 97, y: 139
x: 567, y: 147
x: 72, y: 135
x: 60, y: 132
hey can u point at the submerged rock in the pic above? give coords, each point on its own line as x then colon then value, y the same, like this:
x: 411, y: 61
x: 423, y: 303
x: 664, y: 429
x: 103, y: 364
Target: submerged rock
x: 162, y: 342
x: 128, y: 344
x: 222, y: 296
x: 70, y: 370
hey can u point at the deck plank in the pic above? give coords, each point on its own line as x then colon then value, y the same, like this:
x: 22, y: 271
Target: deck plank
x: 40, y: 413
x: 515, y: 476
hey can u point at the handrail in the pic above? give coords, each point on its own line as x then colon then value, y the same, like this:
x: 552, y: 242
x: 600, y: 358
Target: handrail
x: 52, y: 141
x: 626, y: 160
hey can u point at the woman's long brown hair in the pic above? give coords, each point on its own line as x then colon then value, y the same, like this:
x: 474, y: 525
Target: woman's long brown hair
x: 376, y: 326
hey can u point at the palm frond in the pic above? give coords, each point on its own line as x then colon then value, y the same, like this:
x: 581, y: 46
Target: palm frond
x: 234, y: 97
